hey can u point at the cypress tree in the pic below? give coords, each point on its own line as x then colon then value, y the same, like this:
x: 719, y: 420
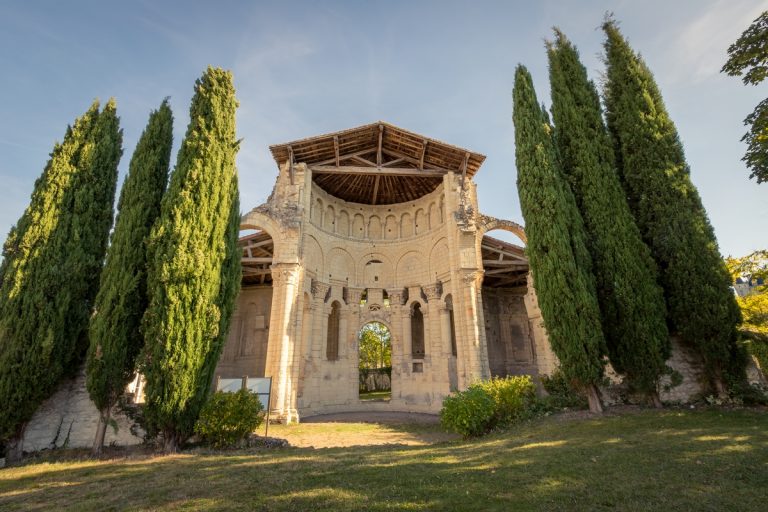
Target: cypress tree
x: 557, y: 252
x: 194, y: 263
x: 52, y: 260
x: 631, y: 301
x: 115, y: 340
x: 701, y: 308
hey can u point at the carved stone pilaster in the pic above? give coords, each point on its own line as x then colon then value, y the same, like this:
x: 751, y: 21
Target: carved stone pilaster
x: 433, y: 291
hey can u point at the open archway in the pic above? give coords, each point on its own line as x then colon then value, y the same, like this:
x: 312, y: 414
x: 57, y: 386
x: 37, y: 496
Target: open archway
x: 375, y: 362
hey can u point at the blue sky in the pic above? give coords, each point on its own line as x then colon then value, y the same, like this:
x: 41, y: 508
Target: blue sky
x: 441, y: 68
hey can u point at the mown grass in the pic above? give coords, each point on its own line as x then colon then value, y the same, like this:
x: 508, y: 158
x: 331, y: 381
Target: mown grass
x: 668, y: 460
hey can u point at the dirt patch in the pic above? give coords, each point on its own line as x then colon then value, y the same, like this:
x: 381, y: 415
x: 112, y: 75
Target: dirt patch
x: 364, y: 429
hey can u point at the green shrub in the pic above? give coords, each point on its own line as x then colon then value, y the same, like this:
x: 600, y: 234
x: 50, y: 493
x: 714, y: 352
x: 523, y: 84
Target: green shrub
x: 561, y: 394
x: 512, y: 398
x: 498, y: 402
x: 469, y: 413
x: 227, y: 418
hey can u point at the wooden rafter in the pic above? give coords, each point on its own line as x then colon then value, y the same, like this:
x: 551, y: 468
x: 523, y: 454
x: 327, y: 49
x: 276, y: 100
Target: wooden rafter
x: 381, y: 139
x: 423, y: 153
x: 375, y: 189
x: 375, y: 171
x: 336, y: 148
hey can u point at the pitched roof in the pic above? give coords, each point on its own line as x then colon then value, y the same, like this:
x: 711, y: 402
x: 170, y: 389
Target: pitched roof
x: 378, y: 163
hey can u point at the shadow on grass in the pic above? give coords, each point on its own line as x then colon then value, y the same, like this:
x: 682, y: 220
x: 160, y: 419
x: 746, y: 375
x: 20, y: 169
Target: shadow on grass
x: 669, y: 460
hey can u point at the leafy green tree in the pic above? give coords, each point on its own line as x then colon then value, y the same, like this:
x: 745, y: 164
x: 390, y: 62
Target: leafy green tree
x: 753, y: 269
x: 748, y: 58
x: 194, y: 264
x: 375, y: 346
x: 50, y: 272
x: 631, y: 301
x: 557, y: 251
x: 115, y: 340
x: 701, y: 308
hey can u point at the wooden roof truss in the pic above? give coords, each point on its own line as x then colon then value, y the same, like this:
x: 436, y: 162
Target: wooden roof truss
x: 505, y: 264
x: 258, y: 251
x: 378, y: 163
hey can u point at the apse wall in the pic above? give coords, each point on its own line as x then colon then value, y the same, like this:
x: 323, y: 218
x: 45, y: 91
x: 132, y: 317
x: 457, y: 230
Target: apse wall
x: 372, y: 246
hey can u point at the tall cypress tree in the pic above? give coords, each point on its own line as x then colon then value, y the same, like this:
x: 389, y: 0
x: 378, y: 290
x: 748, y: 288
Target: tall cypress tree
x: 557, y: 252
x: 666, y: 205
x: 52, y: 260
x: 194, y: 264
x: 115, y: 340
x: 631, y: 301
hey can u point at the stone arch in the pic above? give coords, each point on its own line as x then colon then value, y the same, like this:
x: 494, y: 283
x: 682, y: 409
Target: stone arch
x: 411, y: 270
x: 487, y: 223
x: 358, y: 226
x: 374, y: 227
x: 329, y: 219
x: 434, y: 219
x: 422, y: 224
x: 341, y: 265
x: 391, y: 228
x: 342, y: 225
x: 316, y: 214
x: 406, y: 225
x: 313, y: 256
x: 438, y: 259
x: 258, y: 220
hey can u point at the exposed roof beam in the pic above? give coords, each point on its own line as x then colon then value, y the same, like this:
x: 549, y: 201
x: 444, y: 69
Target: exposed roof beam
x: 505, y: 263
x: 375, y: 189
x: 256, y: 271
x: 362, y: 160
x: 375, y: 171
x: 344, y: 156
x: 336, y: 148
x: 392, y: 163
x: 252, y: 261
x: 497, y: 271
x: 423, y: 152
x: 464, y: 169
x: 269, y: 241
x: 381, y: 137
x: 290, y: 163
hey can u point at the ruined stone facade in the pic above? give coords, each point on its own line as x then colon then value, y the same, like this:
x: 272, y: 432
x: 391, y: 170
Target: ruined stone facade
x: 319, y: 267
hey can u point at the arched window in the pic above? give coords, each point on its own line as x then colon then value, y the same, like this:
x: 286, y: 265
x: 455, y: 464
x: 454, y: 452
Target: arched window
x: 449, y: 305
x: 332, y: 341
x: 417, y: 332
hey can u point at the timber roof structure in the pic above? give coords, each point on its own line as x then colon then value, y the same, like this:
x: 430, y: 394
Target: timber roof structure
x: 377, y: 163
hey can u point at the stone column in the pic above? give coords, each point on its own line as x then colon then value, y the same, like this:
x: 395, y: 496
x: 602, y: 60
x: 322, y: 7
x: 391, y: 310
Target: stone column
x: 476, y: 351
x: 396, y: 296
x: 282, y: 337
x: 434, y: 349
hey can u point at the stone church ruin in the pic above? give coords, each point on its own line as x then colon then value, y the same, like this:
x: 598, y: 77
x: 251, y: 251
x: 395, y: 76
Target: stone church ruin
x: 377, y: 223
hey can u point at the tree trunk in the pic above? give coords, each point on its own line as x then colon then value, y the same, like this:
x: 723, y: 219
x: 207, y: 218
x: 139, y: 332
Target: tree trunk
x: 101, y: 431
x: 170, y: 442
x: 14, y: 448
x: 594, y: 399
x: 720, y: 386
x: 656, y: 399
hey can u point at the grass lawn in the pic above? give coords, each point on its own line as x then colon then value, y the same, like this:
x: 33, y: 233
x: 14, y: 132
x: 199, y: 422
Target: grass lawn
x: 376, y: 395
x: 669, y: 460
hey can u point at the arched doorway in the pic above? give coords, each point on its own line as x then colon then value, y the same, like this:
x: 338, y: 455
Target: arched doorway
x: 375, y: 362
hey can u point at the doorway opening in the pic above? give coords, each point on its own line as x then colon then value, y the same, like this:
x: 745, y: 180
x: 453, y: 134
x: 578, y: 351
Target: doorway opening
x: 375, y: 362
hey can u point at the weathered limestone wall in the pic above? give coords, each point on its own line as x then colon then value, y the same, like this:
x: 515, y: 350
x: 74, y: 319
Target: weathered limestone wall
x: 245, y: 351
x: 511, y: 348
x: 69, y: 419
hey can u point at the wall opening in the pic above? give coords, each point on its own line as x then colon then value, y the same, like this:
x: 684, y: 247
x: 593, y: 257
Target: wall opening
x: 375, y: 362
x: 417, y: 331
x: 332, y: 339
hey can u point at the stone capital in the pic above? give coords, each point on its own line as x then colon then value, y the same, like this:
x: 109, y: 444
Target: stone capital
x: 433, y: 291
x: 319, y: 289
x: 284, y: 273
x: 354, y: 295
x: 472, y: 276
